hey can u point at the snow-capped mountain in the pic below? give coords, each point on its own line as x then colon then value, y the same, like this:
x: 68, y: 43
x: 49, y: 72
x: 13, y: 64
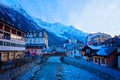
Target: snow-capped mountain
x: 57, y: 32
x: 61, y: 30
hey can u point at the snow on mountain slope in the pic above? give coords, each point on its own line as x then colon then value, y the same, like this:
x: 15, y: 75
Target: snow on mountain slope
x: 58, y: 29
x: 61, y: 30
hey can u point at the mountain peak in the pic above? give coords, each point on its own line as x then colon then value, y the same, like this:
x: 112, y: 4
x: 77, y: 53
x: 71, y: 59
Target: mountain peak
x: 57, y: 32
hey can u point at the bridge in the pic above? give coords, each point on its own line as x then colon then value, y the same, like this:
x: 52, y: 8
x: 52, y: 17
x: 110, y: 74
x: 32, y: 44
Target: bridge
x: 54, y: 54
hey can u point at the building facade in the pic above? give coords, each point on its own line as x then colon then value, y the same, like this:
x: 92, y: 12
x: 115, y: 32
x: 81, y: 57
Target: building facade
x: 12, y: 42
x: 73, y: 47
x: 97, y: 38
x: 106, y: 56
x: 89, y: 51
x: 36, y: 40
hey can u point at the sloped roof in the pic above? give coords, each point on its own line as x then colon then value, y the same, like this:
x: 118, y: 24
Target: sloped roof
x: 94, y: 47
x: 106, y: 51
x: 60, y: 50
x: 47, y: 50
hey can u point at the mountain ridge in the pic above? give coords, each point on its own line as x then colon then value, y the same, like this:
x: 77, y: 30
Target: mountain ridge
x: 57, y: 32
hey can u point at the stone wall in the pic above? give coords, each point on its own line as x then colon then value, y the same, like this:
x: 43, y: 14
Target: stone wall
x: 104, y: 72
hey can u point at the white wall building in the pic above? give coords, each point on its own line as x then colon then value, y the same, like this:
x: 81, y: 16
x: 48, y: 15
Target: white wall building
x: 36, y: 40
x: 12, y: 42
x: 73, y: 47
x: 97, y: 38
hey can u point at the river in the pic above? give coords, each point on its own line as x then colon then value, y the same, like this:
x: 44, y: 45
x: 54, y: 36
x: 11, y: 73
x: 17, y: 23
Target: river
x: 54, y: 69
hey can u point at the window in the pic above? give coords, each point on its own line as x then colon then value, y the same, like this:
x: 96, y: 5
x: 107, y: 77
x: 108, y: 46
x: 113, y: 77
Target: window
x: 13, y: 44
x: 18, y: 33
x: 5, y: 56
x: 30, y: 35
x: 96, y: 60
x: 30, y: 41
x: 1, y: 42
x: 6, y: 43
x: 1, y: 26
x: 40, y: 34
x: 102, y: 61
x: 18, y: 45
x: 22, y: 45
x: 1, y: 35
x: 7, y: 28
x: 87, y: 50
x: 6, y: 36
x: 34, y: 34
x: 12, y: 55
x: 13, y: 31
x: 23, y: 35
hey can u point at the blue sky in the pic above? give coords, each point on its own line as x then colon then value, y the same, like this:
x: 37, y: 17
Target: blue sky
x: 87, y: 15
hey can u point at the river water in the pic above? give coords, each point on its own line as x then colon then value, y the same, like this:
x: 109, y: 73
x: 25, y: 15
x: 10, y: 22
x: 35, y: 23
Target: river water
x: 54, y: 69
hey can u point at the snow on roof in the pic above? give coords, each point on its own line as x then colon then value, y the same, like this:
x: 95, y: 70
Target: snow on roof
x: 60, y: 50
x: 106, y: 51
x: 94, y: 47
x: 47, y: 50
x: 102, y: 52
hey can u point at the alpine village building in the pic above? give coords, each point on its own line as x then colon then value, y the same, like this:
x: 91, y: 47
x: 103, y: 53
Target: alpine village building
x: 105, y: 54
x: 73, y: 47
x: 12, y: 42
x: 36, y: 41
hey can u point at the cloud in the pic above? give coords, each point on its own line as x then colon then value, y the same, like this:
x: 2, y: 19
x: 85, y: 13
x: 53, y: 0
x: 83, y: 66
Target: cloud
x: 103, y: 15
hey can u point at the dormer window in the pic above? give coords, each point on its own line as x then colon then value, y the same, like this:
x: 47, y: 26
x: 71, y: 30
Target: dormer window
x: 40, y: 34
x: 34, y: 34
x: 30, y: 35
